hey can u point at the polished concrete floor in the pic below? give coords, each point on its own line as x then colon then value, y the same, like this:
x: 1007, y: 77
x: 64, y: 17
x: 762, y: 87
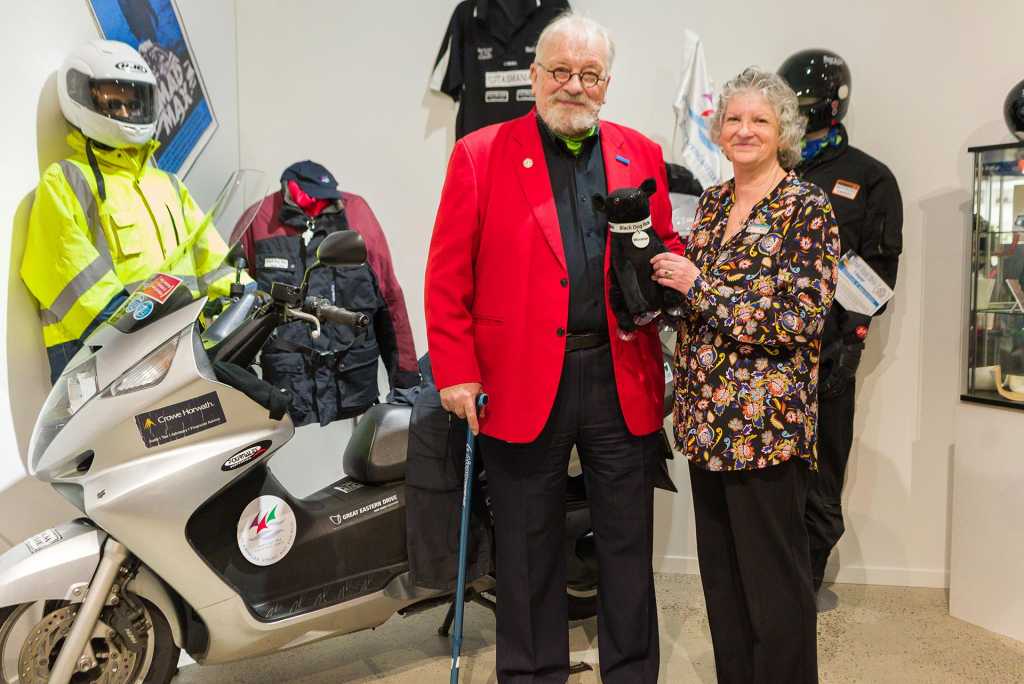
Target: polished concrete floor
x: 873, y: 634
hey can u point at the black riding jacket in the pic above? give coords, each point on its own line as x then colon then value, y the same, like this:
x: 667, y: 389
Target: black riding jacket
x: 869, y: 209
x: 334, y: 376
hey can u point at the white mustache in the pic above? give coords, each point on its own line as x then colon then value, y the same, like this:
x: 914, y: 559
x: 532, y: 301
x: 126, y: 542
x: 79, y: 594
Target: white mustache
x: 571, y: 100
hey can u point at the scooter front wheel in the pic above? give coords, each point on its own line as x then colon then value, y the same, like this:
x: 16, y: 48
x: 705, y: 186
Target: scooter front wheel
x: 131, y: 643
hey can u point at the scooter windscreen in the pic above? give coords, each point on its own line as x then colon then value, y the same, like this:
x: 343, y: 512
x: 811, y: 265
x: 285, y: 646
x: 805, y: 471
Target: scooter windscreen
x: 200, y: 264
x: 172, y: 287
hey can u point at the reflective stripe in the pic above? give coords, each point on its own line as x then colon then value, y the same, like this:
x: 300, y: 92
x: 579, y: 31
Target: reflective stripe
x: 176, y: 184
x: 79, y: 285
x: 80, y: 186
x: 213, y: 276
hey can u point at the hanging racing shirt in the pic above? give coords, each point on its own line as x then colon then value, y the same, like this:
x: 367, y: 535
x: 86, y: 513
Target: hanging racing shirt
x: 484, y: 61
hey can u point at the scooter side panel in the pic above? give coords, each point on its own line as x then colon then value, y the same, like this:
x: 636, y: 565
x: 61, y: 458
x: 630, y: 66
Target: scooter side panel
x: 349, y: 541
x: 145, y: 488
x: 235, y: 634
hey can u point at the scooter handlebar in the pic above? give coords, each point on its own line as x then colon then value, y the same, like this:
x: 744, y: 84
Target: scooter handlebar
x: 326, y: 311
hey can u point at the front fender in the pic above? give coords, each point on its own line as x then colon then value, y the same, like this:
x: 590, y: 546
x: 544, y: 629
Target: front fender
x: 52, y: 571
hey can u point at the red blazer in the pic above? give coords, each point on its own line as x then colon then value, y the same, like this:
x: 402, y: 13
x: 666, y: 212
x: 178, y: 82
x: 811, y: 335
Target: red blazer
x: 496, y: 303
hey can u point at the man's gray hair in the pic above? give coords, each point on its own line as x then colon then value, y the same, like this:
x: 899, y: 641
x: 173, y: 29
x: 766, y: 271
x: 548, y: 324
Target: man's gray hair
x: 783, y: 100
x: 576, y: 24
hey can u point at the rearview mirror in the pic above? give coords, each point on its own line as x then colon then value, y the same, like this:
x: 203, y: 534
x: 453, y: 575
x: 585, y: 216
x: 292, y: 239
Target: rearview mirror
x: 343, y: 248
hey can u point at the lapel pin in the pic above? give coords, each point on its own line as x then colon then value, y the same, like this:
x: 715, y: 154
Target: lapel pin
x: 527, y: 163
x: 622, y: 160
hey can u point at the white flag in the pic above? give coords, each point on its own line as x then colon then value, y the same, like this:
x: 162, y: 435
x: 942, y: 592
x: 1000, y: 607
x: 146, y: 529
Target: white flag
x: 694, y: 105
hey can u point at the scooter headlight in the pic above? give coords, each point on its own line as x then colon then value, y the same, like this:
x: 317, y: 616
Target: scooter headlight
x: 73, y: 390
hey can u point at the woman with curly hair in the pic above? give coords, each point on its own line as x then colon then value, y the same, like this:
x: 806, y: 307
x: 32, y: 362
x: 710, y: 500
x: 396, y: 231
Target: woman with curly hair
x: 759, y: 275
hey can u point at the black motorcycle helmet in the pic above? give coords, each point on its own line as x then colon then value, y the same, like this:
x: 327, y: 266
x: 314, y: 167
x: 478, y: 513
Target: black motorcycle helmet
x: 822, y: 82
x: 1013, y: 110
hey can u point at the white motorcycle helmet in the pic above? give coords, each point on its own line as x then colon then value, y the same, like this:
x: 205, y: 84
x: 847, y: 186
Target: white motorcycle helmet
x: 107, y: 91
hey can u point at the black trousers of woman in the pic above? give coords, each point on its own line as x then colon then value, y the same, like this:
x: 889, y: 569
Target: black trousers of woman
x: 526, y: 484
x: 755, y: 567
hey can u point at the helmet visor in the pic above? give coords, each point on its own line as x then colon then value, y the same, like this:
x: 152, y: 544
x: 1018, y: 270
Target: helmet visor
x: 132, y: 102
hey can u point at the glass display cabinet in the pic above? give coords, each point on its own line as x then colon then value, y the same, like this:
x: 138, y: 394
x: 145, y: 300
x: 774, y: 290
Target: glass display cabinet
x: 995, y: 323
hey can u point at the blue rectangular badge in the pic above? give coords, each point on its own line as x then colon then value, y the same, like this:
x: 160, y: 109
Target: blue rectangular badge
x: 622, y: 160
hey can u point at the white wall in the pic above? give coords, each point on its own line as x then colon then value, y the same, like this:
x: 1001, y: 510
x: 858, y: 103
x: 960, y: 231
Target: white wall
x: 33, y: 43
x: 345, y: 84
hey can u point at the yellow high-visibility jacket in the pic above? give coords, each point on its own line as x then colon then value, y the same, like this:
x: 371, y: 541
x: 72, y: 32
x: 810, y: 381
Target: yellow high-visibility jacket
x: 85, y: 253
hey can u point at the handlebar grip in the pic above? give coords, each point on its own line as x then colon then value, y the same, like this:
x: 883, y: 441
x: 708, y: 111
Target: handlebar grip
x: 325, y: 311
x: 335, y: 314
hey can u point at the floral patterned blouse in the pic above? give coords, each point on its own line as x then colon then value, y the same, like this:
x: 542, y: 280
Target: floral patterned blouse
x: 747, y: 353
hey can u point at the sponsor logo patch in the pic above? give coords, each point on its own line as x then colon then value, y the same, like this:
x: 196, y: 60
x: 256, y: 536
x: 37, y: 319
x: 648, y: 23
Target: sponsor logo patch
x: 266, y: 530
x: 496, y: 96
x: 246, y: 455
x: 160, y: 287
x: 180, y: 420
x: 373, y: 507
x: 484, y: 53
x: 276, y: 262
x: 513, y: 78
x: 141, y: 309
x: 524, y: 95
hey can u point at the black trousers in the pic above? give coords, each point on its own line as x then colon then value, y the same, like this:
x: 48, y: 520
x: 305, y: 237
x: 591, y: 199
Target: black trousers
x: 526, y: 484
x: 825, y: 493
x: 752, y: 550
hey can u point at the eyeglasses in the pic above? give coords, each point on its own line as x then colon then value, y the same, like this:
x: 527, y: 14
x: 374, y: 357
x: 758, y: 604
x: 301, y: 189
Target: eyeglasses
x: 588, y: 79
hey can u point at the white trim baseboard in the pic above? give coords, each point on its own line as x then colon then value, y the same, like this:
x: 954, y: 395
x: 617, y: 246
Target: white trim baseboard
x: 895, y: 577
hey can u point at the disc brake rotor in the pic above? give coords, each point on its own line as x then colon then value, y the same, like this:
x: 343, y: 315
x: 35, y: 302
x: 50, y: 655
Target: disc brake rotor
x: 114, y: 664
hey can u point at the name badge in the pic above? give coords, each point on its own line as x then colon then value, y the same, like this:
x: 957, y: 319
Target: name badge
x: 758, y: 228
x: 847, y: 189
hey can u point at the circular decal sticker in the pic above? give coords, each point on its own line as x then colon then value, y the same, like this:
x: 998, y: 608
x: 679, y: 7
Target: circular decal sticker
x: 266, y: 530
x: 641, y: 239
x: 143, y: 310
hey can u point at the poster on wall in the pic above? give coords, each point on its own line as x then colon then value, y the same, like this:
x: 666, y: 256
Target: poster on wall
x: 185, y: 120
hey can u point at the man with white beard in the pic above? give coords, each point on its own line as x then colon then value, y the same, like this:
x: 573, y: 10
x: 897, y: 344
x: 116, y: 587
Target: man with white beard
x: 517, y: 306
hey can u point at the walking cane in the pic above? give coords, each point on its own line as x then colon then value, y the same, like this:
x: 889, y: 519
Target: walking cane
x: 467, y: 498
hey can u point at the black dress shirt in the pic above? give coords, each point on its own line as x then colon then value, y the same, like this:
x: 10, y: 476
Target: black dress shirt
x: 575, y: 179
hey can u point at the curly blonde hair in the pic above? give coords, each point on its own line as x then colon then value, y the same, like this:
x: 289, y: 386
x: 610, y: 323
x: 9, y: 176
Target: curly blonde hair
x: 783, y: 100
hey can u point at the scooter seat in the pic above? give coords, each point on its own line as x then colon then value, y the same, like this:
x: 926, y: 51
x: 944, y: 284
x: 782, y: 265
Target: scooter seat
x: 375, y: 454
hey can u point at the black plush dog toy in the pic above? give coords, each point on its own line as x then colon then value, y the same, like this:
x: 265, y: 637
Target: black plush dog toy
x: 635, y: 299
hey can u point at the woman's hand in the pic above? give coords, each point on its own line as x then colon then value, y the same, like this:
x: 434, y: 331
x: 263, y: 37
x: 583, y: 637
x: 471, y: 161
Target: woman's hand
x: 672, y: 270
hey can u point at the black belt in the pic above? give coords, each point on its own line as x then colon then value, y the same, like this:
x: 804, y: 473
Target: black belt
x: 577, y: 341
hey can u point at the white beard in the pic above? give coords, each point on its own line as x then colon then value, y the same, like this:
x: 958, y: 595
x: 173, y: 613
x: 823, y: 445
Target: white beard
x: 571, y: 122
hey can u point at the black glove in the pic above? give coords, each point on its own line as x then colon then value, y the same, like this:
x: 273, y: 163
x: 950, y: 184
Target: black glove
x: 837, y: 368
